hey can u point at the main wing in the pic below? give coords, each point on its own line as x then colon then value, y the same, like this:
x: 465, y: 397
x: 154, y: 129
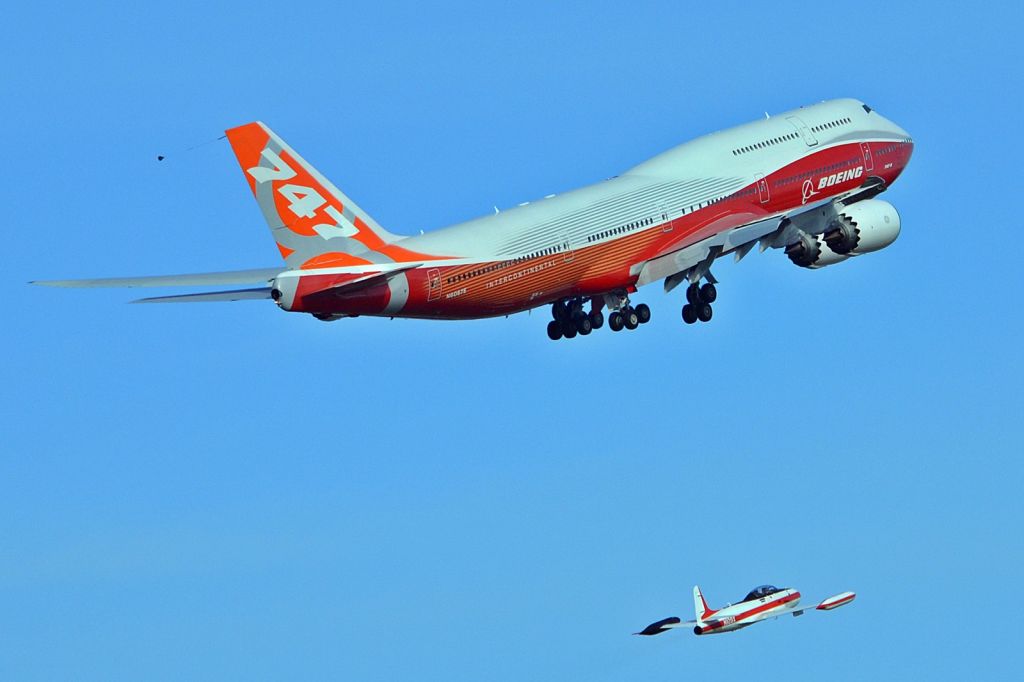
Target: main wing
x: 682, y: 259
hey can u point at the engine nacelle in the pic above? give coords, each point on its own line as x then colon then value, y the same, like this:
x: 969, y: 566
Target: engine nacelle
x: 863, y: 227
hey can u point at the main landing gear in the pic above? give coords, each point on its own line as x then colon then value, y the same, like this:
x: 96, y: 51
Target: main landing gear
x: 569, y: 318
x: 699, y: 299
x: 629, y: 317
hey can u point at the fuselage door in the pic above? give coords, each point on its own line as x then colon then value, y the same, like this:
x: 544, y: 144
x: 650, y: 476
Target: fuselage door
x: 865, y: 150
x: 666, y: 224
x: 566, y: 247
x: 804, y: 131
x: 762, y: 188
x: 433, y: 284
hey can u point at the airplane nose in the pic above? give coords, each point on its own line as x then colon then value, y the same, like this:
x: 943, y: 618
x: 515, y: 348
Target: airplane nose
x: 897, y: 130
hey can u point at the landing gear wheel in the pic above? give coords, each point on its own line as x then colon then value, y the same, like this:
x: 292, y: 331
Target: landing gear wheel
x: 554, y: 330
x: 689, y: 313
x: 568, y: 329
x: 693, y: 294
x: 630, y: 319
x: 643, y: 313
x: 583, y: 325
x: 704, y: 312
x: 559, y: 311
x: 708, y: 293
x: 615, y: 321
x: 597, y: 319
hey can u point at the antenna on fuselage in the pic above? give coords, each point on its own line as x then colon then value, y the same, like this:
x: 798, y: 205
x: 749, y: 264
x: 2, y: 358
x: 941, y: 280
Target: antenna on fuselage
x: 496, y: 211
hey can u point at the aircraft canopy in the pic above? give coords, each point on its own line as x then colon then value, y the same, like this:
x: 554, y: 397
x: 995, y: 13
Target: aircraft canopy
x: 761, y: 591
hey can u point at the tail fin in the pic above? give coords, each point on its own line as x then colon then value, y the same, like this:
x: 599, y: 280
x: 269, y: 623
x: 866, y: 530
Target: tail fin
x: 312, y: 221
x: 700, y: 606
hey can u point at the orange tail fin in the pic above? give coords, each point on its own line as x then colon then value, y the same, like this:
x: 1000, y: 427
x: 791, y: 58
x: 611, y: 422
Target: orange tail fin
x: 312, y: 221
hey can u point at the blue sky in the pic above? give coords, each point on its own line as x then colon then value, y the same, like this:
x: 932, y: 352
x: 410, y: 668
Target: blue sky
x: 227, y: 491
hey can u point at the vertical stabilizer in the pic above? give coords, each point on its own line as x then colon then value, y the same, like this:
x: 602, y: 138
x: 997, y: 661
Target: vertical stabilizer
x: 700, y: 606
x: 313, y: 222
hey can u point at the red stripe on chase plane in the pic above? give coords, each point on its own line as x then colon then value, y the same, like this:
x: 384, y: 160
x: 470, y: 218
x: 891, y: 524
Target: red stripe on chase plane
x: 761, y: 608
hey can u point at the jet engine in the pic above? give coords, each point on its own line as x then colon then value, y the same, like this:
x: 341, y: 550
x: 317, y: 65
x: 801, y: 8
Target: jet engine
x: 863, y: 227
x: 808, y: 251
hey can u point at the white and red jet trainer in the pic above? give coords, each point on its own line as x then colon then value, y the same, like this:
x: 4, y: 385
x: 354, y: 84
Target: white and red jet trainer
x: 761, y: 603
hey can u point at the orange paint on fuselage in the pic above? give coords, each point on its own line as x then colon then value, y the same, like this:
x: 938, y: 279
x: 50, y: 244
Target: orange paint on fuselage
x: 506, y: 287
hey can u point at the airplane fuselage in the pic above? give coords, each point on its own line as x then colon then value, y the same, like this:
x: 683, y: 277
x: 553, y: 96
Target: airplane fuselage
x: 607, y: 236
x: 746, y: 613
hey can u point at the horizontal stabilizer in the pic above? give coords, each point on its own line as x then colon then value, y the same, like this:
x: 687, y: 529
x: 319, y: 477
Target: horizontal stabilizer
x: 212, y: 296
x: 663, y: 625
x: 204, y: 279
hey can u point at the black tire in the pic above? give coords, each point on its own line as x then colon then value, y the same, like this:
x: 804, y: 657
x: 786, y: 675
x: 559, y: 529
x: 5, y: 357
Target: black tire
x: 596, y: 319
x: 615, y: 322
x: 554, y: 330
x: 704, y: 312
x: 559, y: 311
x: 693, y: 294
x: 583, y: 325
x: 708, y: 293
x: 568, y: 328
x: 689, y: 313
x: 630, y: 319
x: 643, y: 312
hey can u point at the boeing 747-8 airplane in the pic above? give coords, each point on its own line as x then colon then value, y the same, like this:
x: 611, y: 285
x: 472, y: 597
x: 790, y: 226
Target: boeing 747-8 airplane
x: 804, y: 181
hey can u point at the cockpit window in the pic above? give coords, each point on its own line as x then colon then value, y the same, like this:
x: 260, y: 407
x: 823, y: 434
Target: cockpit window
x: 761, y: 591
x: 866, y: 108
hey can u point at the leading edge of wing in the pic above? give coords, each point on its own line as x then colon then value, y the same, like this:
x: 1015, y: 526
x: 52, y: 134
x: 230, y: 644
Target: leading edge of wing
x: 257, y: 294
x: 257, y: 276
